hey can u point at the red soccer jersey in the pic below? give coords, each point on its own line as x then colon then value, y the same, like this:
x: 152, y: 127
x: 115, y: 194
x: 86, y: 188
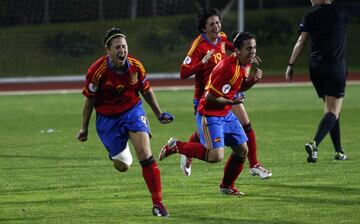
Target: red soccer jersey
x: 115, y: 92
x: 225, y: 81
x: 193, y: 65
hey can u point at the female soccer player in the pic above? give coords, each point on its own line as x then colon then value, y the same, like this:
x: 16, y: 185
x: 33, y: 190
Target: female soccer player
x: 112, y: 87
x: 216, y: 123
x: 206, y: 51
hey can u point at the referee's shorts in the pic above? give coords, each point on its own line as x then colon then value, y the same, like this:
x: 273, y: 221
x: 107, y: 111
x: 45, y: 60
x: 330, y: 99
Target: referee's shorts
x: 329, y: 79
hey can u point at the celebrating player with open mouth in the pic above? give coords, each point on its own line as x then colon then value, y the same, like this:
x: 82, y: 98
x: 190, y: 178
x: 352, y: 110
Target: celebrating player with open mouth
x: 217, y: 125
x: 112, y: 87
x: 206, y: 51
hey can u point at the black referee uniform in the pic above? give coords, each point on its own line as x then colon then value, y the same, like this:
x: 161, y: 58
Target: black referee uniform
x: 327, y: 25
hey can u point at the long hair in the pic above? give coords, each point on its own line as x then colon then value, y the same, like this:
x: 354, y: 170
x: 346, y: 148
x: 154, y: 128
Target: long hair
x: 203, y: 15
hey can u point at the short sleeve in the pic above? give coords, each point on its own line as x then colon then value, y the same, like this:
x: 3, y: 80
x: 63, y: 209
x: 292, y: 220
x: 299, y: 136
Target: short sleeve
x: 143, y: 77
x: 93, y: 79
x: 304, y: 25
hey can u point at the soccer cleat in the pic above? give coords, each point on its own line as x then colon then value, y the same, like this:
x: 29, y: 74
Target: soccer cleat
x: 159, y: 210
x: 340, y: 156
x: 185, y: 165
x: 259, y: 170
x: 312, y: 152
x: 231, y: 190
x: 168, y: 149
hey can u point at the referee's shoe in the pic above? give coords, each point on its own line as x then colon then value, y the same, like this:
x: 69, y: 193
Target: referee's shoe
x: 340, y: 156
x: 312, y: 151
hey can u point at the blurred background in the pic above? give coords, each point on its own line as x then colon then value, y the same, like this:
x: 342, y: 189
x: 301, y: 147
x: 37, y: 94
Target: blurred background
x: 63, y: 37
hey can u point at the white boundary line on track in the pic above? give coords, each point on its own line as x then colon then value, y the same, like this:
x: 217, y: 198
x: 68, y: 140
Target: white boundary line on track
x: 165, y: 88
x: 76, y: 78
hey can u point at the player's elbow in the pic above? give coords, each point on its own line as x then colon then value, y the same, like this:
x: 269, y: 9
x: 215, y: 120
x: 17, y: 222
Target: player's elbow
x: 184, y: 72
x: 182, y: 76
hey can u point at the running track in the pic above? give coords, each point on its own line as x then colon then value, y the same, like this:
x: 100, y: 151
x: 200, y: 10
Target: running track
x: 48, y: 83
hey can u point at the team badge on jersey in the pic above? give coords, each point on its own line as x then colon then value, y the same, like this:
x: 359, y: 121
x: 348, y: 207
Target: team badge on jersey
x: 187, y: 60
x: 119, y: 88
x: 93, y: 88
x: 133, y: 78
x: 226, y: 88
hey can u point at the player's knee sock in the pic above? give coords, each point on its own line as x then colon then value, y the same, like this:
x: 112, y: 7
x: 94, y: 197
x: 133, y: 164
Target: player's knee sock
x: 251, y: 143
x: 194, y: 137
x: 193, y: 149
x: 335, y: 136
x: 232, y: 170
x: 326, y: 124
x: 151, y: 174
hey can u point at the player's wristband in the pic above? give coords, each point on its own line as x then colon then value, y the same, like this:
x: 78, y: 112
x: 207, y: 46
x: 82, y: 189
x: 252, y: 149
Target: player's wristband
x: 166, y: 117
x: 292, y: 65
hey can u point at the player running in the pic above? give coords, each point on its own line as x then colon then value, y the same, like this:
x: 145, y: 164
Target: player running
x: 112, y: 87
x: 216, y: 123
x: 207, y: 50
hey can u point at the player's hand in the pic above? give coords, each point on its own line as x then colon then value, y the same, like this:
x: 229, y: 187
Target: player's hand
x: 289, y: 73
x: 256, y: 60
x: 257, y: 74
x: 207, y: 56
x: 166, y: 118
x: 82, y: 135
x: 238, y: 100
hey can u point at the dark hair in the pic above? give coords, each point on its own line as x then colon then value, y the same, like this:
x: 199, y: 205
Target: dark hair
x: 239, y: 38
x: 111, y: 33
x: 203, y: 15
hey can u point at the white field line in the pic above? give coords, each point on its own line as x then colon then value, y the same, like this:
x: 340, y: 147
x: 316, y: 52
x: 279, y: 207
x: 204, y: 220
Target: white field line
x: 162, y: 88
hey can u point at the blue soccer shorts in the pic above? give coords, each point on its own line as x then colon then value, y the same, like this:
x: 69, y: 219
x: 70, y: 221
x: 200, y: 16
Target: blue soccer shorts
x: 216, y: 132
x: 113, y: 131
x: 196, y: 104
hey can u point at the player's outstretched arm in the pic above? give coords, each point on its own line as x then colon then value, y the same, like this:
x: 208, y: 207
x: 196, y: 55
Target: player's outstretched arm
x: 87, y: 111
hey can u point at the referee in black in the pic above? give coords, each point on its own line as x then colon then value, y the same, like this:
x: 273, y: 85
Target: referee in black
x: 326, y: 25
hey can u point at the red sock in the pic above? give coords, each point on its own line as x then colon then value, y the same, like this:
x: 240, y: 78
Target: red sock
x: 151, y: 174
x: 251, y: 143
x: 232, y: 170
x: 194, y: 137
x: 192, y: 149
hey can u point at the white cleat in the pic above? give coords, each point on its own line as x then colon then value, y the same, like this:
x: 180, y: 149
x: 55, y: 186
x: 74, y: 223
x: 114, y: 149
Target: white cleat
x: 185, y: 165
x: 259, y: 170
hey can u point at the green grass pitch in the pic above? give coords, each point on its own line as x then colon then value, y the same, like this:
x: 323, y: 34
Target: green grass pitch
x: 47, y: 176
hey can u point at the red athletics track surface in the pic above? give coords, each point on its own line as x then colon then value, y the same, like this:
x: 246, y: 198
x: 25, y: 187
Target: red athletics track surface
x: 73, y: 85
